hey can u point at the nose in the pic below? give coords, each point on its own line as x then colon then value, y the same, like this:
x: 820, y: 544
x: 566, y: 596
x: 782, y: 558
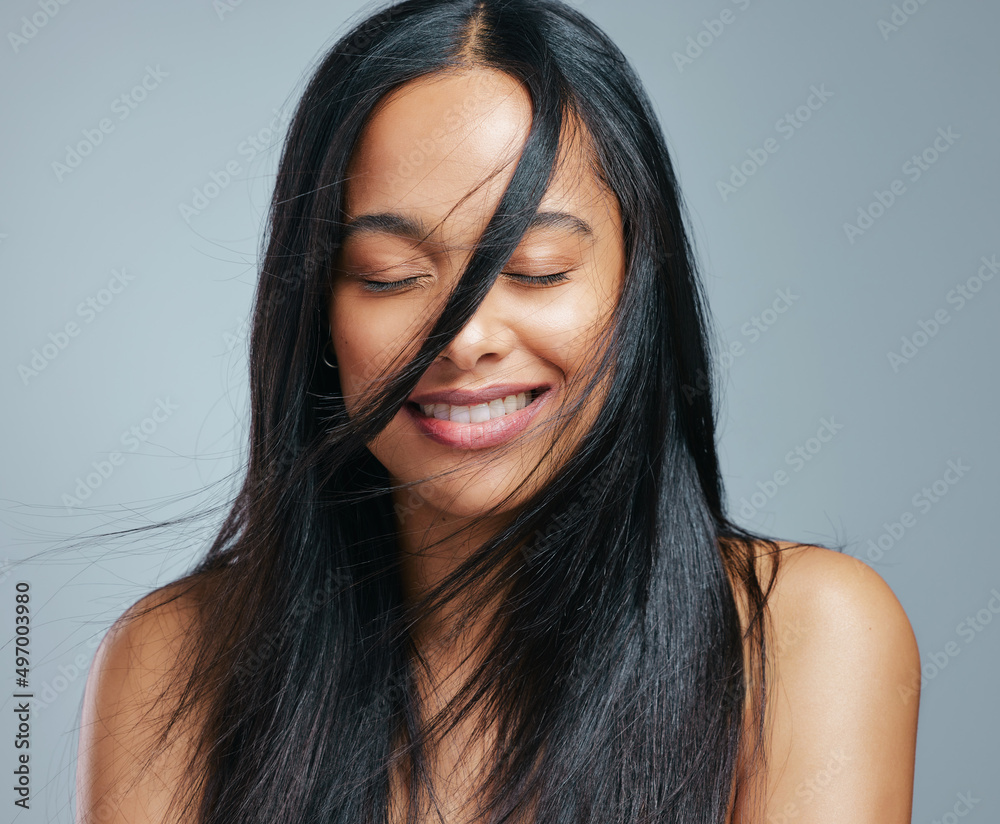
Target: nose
x: 487, y: 338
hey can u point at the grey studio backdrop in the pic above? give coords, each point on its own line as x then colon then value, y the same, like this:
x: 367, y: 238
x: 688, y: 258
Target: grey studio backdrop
x: 840, y: 165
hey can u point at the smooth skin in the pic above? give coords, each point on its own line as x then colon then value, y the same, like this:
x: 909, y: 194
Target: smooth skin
x: 841, y: 711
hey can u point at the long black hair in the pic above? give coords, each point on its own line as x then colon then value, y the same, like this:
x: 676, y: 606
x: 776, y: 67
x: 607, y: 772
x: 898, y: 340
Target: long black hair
x: 613, y: 675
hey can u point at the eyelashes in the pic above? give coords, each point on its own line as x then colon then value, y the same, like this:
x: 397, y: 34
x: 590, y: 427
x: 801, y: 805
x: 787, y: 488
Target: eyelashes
x: 398, y: 285
x: 386, y: 285
x: 556, y: 277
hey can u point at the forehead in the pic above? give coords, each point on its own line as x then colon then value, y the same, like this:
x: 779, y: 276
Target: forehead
x: 441, y: 149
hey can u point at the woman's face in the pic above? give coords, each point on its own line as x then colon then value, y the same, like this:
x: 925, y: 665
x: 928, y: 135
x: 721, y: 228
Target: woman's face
x: 418, y: 164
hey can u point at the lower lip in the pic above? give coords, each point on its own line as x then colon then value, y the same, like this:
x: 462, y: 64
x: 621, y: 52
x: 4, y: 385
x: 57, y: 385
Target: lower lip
x: 478, y: 435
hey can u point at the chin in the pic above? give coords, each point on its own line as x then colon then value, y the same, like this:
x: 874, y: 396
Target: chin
x: 462, y: 493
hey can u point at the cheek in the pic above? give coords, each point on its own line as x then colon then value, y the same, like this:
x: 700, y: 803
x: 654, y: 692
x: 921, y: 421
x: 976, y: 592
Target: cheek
x: 369, y: 336
x: 566, y: 331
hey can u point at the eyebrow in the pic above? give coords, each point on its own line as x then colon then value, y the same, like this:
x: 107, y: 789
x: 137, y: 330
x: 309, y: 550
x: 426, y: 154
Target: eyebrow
x: 394, y: 223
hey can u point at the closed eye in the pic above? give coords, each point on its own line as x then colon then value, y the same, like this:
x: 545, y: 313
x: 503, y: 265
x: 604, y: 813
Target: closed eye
x: 539, y: 279
x: 395, y: 285
x: 387, y: 285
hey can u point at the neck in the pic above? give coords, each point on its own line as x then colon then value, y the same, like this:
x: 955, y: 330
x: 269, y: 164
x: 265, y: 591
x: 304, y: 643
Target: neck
x: 432, y: 544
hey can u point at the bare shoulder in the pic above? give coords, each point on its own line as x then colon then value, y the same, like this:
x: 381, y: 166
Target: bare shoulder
x: 833, y: 596
x: 843, y: 691
x: 142, y: 649
x: 129, y: 763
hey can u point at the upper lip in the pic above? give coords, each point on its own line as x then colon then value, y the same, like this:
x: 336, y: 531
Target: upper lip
x: 466, y: 397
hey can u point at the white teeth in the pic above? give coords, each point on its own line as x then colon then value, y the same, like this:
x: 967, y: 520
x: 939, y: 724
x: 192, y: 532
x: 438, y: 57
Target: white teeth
x: 480, y: 412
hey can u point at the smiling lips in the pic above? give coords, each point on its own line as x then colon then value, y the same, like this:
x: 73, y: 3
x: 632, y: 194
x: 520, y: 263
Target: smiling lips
x: 479, y: 419
x: 480, y: 412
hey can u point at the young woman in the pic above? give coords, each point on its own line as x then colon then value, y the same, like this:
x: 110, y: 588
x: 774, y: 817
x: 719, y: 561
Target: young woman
x: 480, y: 568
